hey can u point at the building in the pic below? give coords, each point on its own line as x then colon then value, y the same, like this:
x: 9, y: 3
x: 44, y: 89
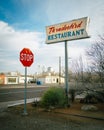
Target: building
x: 46, y: 77
x: 14, y: 78
x: 22, y: 79
x: 50, y: 79
x: 11, y: 79
x: 2, y: 78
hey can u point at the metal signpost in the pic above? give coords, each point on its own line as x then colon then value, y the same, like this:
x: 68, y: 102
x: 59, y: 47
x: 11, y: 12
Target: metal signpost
x: 25, y: 92
x: 67, y: 31
x: 26, y: 58
x: 66, y: 68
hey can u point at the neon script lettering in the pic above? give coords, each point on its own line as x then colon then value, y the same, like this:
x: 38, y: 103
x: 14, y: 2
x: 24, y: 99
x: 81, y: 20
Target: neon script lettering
x: 65, y: 27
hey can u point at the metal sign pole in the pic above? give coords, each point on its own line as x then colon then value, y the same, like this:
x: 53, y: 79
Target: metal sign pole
x: 25, y: 92
x: 66, y: 69
x: 59, y: 70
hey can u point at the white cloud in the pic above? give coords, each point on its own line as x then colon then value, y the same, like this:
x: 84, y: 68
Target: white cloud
x: 17, y: 40
x: 12, y: 42
x: 5, y: 28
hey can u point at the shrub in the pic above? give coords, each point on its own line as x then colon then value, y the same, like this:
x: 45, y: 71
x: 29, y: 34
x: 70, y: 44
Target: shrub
x: 53, y: 97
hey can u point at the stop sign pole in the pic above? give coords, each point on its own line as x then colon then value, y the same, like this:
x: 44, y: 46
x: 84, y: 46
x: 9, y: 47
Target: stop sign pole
x: 26, y: 58
x: 25, y: 92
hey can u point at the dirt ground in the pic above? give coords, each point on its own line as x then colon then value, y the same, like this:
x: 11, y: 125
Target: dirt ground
x: 57, y: 119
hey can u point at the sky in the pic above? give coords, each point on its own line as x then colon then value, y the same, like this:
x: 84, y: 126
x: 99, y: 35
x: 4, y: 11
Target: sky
x: 23, y: 25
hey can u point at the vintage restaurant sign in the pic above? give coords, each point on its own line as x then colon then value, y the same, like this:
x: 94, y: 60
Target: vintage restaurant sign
x: 72, y: 30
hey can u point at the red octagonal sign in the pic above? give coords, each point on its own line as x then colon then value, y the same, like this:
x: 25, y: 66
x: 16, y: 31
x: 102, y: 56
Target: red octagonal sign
x: 26, y: 57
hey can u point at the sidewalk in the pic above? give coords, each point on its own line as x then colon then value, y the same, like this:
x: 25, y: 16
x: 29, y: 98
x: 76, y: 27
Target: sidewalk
x: 4, y: 105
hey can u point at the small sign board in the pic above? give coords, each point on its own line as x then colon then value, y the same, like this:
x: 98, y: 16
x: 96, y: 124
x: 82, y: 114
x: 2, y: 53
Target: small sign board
x: 67, y: 31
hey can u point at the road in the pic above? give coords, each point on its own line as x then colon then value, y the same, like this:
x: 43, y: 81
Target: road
x: 14, y: 94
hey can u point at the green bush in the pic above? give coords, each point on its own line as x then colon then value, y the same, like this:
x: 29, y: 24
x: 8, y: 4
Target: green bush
x: 53, y: 97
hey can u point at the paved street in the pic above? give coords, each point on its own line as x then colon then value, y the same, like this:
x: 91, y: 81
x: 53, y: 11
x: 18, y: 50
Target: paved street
x: 13, y: 94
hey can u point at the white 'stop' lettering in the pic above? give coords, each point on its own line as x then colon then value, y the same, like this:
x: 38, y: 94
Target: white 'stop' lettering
x: 26, y: 57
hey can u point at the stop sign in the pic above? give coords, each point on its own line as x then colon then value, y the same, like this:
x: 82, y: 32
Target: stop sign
x: 26, y: 57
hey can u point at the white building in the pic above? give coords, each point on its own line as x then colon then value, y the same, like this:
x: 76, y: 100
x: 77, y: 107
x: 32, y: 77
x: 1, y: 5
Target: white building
x: 16, y: 78
x: 50, y: 79
x: 22, y: 79
x: 11, y: 79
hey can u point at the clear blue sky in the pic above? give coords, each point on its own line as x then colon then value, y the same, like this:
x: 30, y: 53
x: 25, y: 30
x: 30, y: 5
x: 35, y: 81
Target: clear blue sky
x: 22, y: 24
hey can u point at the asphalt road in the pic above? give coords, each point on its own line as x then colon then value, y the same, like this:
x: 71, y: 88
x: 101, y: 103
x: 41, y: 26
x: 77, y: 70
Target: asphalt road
x: 13, y: 94
x: 16, y: 92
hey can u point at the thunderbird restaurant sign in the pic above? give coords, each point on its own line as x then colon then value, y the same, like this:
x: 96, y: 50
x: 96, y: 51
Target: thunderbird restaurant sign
x: 67, y: 31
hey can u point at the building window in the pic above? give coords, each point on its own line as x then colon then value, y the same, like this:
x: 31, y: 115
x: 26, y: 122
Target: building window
x: 12, y: 80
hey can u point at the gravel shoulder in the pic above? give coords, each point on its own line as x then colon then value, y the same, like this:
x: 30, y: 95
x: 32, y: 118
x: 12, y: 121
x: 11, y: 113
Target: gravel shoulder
x: 37, y: 119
